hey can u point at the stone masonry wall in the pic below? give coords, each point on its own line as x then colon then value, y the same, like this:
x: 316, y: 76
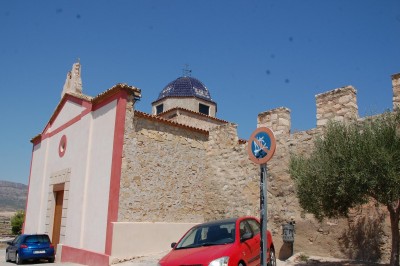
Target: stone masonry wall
x: 232, y: 187
x: 396, y: 91
x: 339, y: 104
x: 162, y: 173
x: 175, y: 174
x: 277, y: 119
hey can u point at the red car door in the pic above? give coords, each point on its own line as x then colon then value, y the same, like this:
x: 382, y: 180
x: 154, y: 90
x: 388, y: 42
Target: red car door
x: 250, y: 244
x: 256, y: 229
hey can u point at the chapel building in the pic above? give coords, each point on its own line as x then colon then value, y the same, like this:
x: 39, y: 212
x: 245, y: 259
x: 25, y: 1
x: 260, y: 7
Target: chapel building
x: 107, y: 179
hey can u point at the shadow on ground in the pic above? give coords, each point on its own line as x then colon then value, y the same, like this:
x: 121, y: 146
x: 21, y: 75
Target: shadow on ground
x: 338, y: 263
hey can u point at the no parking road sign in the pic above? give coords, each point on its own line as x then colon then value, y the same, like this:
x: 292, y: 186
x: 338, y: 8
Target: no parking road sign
x: 261, y: 148
x: 261, y: 145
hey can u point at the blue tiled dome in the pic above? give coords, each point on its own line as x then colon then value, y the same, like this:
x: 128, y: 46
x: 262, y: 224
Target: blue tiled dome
x: 185, y: 87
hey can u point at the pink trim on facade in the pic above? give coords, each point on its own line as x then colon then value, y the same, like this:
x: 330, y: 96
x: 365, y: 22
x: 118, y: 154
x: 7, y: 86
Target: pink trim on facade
x: 68, y: 124
x: 82, y: 256
x: 113, y: 198
x: 90, y: 104
x: 107, y: 101
x: 62, y: 147
x: 66, y: 98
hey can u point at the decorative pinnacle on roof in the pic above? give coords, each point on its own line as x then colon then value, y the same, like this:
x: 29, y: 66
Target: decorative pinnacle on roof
x: 73, y: 82
x: 185, y: 87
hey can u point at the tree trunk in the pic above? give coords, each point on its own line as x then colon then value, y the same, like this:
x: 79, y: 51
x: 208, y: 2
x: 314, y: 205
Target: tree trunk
x: 394, y: 211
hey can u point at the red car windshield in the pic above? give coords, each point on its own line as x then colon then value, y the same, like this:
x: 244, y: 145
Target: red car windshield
x: 207, y: 235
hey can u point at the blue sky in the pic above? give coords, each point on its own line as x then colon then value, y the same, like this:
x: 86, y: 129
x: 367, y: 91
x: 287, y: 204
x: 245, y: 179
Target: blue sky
x: 252, y: 55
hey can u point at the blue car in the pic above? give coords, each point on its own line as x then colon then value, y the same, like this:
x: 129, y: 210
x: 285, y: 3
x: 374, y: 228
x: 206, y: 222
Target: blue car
x: 30, y: 247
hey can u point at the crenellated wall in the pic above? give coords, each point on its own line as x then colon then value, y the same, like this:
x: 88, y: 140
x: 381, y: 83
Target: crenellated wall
x: 396, y: 90
x: 276, y: 119
x: 339, y: 105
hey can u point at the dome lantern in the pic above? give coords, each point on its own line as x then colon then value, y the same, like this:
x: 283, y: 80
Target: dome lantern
x: 188, y: 93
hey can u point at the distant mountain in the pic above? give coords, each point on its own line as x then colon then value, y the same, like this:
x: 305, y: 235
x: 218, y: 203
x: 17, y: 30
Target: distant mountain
x: 12, y: 196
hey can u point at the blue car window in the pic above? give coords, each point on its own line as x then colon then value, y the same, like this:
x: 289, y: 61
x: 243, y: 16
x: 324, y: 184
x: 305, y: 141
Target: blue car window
x: 16, y: 240
x: 32, y: 239
x: 44, y: 239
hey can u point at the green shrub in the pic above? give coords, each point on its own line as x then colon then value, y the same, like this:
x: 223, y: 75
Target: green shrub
x: 303, y: 257
x: 16, y: 222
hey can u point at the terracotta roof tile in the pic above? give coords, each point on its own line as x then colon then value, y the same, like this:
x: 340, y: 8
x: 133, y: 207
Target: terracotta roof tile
x: 135, y: 91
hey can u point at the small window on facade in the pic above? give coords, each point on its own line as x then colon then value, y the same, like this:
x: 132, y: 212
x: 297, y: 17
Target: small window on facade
x: 204, y: 109
x: 159, y: 109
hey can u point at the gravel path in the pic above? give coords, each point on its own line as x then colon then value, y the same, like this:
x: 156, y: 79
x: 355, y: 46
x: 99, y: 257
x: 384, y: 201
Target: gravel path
x: 152, y: 260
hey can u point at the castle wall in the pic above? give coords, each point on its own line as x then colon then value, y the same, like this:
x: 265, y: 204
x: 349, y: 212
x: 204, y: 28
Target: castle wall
x: 336, y: 105
x: 339, y: 105
x: 232, y: 187
x: 396, y: 91
x: 277, y: 119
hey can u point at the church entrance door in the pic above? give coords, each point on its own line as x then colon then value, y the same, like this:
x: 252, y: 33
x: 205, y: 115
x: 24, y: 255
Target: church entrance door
x: 59, y: 197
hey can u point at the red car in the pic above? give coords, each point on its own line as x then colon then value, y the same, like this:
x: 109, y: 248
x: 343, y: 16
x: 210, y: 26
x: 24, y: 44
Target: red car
x: 230, y: 242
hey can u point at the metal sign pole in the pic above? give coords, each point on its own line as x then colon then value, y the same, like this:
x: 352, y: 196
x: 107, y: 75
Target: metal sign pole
x: 263, y: 213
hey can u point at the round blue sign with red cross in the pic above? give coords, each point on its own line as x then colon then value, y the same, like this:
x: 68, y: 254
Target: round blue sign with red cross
x: 261, y: 145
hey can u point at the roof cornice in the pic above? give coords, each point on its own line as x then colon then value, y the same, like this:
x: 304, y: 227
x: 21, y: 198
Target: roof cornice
x: 169, y: 122
x: 193, y: 112
x: 92, y: 101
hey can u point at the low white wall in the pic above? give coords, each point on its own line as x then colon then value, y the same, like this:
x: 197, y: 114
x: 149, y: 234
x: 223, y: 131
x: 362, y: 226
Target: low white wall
x: 139, y: 239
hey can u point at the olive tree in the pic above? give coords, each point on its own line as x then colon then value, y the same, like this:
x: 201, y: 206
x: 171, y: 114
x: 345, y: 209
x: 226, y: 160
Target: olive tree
x: 349, y: 165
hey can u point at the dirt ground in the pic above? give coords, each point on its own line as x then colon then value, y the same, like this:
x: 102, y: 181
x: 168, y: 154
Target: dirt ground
x: 300, y: 259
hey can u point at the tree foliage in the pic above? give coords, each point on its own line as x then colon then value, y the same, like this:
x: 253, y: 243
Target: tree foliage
x: 16, y: 222
x: 351, y: 163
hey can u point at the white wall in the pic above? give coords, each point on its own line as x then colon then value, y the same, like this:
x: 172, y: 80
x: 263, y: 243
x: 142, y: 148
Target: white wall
x: 138, y: 239
x: 88, y: 156
x: 35, y: 208
x: 98, y: 178
x: 69, y: 111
